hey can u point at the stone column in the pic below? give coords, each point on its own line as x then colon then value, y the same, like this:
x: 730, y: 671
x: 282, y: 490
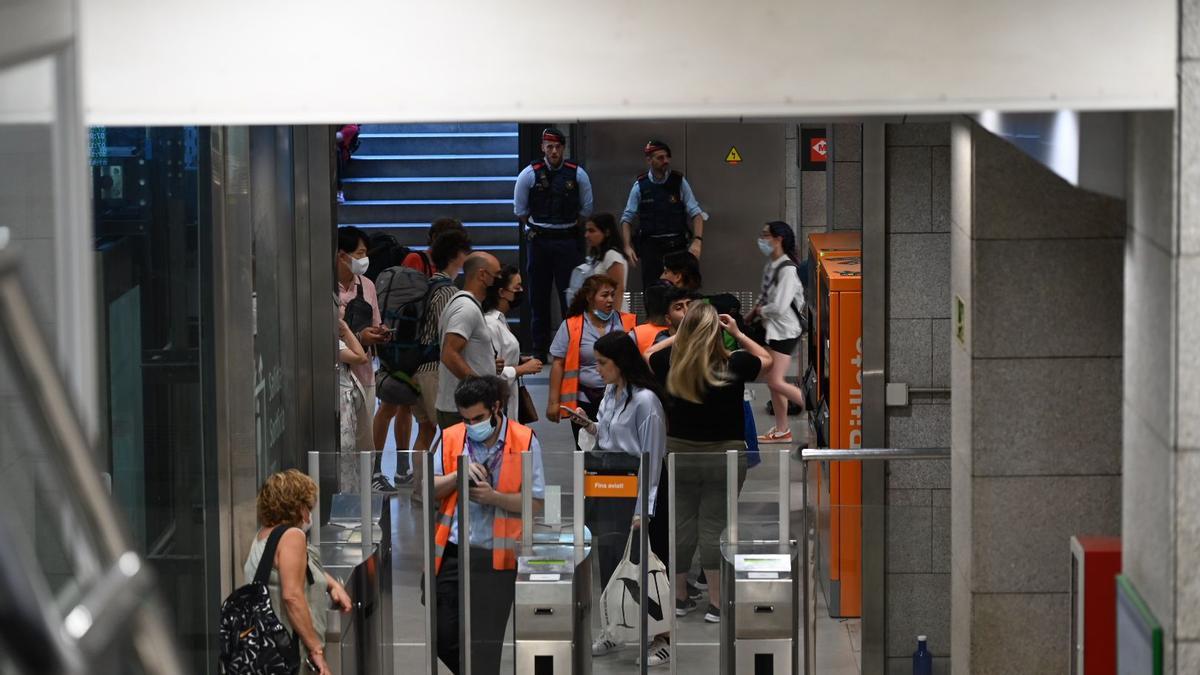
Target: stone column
x: 1036, y: 266
x: 1161, y: 412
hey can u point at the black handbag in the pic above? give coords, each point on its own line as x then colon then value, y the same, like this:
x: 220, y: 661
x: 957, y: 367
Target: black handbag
x: 252, y: 638
x: 359, y: 313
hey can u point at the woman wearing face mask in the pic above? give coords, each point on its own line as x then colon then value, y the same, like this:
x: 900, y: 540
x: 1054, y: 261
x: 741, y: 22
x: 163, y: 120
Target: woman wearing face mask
x: 504, y: 296
x: 574, y: 379
x: 629, y: 424
x: 605, y: 256
x: 779, y: 307
x: 300, y: 588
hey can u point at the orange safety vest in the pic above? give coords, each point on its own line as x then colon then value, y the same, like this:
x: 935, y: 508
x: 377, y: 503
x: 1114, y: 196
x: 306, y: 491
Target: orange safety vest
x: 645, y: 334
x: 506, y: 530
x: 569, y: 391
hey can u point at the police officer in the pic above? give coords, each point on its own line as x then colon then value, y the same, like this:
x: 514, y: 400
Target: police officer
x: 551, y: 196
x: 667, y: 211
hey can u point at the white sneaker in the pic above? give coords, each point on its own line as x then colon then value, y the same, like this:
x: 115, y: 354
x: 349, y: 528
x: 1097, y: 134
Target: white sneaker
x: 659, y: 653
x: 604, y: 645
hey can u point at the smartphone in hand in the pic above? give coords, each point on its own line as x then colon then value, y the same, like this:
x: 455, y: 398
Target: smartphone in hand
x: 575, y: 416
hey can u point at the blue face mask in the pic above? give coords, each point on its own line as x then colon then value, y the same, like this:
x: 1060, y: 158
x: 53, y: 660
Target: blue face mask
x: 603, y: 316
x: 479, y: 431
x: 765, y: 246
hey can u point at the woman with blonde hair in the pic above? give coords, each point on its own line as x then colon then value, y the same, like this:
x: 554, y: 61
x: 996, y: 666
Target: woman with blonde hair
x: 704, y: 383
x: 300, y: 588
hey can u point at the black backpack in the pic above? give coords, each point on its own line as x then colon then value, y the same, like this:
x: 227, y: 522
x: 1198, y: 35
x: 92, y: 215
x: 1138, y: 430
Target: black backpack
x: 253, y: 640
x: 386, y: 252
x: 404, y: 295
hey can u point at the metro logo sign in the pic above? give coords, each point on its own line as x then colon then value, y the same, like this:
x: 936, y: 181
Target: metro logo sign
x: 814, y: 149
x: 818, y: 150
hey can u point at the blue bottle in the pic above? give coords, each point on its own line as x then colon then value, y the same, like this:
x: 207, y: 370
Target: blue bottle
x: 922, y: 659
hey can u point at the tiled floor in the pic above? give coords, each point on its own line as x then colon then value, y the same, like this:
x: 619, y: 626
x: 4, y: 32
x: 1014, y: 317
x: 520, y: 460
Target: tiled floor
x: 697, y: 648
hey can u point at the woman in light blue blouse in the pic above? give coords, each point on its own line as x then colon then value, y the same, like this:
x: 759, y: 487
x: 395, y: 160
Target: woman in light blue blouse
x: 630, y: 423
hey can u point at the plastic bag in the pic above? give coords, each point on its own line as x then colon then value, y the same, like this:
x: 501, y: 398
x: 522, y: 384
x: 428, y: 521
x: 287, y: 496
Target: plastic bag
x: 619, y: 609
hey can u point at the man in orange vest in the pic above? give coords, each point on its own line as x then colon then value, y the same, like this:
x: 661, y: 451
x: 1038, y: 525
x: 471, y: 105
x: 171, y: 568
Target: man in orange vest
x: 655, y: 301
x: 495, y: 445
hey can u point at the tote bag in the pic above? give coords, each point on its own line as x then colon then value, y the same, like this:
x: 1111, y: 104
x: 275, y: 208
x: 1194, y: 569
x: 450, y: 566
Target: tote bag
x: 619, y: 609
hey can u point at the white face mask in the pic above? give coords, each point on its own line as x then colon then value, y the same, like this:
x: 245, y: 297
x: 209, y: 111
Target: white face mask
x: 359, y: 265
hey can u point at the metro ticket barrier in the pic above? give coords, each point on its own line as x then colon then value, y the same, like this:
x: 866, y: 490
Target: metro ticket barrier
x: 552, y: 624
x: 759, y: 579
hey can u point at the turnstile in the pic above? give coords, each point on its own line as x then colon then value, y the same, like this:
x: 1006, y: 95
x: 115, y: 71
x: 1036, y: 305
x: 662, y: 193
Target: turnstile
x: 760, y: 573
x: 552, y: 624
x: 552, y: 627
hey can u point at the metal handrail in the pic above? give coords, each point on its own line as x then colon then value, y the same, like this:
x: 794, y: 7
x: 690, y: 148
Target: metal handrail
x: 810, y: 454
x: 809, y: 536
x: 70, y: 457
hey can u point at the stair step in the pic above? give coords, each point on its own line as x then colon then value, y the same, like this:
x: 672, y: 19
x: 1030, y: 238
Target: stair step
x: 416, y: 235
x: 372, y: 166
x: 443, y: 187
x: 416, y: 211
x: 427, y: 144
x: 441, y: 128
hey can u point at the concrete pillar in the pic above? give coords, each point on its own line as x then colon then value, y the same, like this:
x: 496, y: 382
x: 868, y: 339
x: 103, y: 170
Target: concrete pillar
x: 1036, y: 358
x: 918, y: 354
x: 1161, y: 411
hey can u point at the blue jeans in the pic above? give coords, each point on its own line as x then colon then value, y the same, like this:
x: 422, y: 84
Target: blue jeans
x: 550, y: 262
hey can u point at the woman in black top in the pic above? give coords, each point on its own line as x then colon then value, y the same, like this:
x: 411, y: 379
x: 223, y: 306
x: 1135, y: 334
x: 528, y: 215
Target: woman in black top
x: 704, y: 383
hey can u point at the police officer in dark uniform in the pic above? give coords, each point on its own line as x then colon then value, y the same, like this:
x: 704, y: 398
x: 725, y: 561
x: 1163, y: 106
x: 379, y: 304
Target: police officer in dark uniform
x: 550, y: 198
x: 669, y: 217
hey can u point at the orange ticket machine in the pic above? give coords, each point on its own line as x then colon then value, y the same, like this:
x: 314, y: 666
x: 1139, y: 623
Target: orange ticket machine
x: 821, y: 246
x: 839, y: 419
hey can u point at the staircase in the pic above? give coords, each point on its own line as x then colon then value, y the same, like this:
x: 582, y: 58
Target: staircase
x: 405, y: 176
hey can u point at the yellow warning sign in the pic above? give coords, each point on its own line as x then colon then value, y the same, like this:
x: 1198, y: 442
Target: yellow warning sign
x: 734, y: 157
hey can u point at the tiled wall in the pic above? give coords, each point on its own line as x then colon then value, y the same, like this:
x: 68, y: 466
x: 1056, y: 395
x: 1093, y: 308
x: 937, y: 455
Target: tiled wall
x: 1037, y: 397
x: 918, y: 354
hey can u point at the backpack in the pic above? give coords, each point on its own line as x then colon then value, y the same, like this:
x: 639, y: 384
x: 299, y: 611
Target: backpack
x: 403, y: 295
x: 386, y: 252
x: 253, y: 640
x: 798, y: 301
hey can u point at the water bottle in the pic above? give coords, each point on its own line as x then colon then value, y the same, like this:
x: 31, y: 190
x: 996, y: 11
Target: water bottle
x: 922, y: 659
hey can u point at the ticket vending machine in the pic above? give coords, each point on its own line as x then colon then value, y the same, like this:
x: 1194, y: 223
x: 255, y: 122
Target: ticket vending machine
x: 552, y: 625
x: 821, y: 246
x: 839, y: 419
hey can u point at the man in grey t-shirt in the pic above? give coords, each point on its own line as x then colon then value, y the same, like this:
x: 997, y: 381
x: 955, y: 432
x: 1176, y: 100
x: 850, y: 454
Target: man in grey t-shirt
x: 466, y: 341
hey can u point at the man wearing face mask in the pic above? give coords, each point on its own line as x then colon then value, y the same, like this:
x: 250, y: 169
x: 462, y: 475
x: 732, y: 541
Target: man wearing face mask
x: 360, y: 309
x: 495, y: 445
x: 466, y: 340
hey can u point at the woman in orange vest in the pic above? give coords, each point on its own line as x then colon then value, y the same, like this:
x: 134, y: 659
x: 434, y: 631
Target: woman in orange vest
x: 574, y: 379
x: 495, y: 445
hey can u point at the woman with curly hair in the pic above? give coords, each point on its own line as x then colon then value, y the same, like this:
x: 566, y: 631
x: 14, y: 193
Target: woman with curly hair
x: 300, y: 588
x: 574, y: 378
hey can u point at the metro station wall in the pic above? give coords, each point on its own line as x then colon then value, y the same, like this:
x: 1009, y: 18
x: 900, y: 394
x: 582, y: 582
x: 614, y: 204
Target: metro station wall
x: 1036, y: 422
x: 738, y: 198
x: 918, y: 354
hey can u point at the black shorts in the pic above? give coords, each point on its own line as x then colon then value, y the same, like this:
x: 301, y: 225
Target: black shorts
x: 785, y: 347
